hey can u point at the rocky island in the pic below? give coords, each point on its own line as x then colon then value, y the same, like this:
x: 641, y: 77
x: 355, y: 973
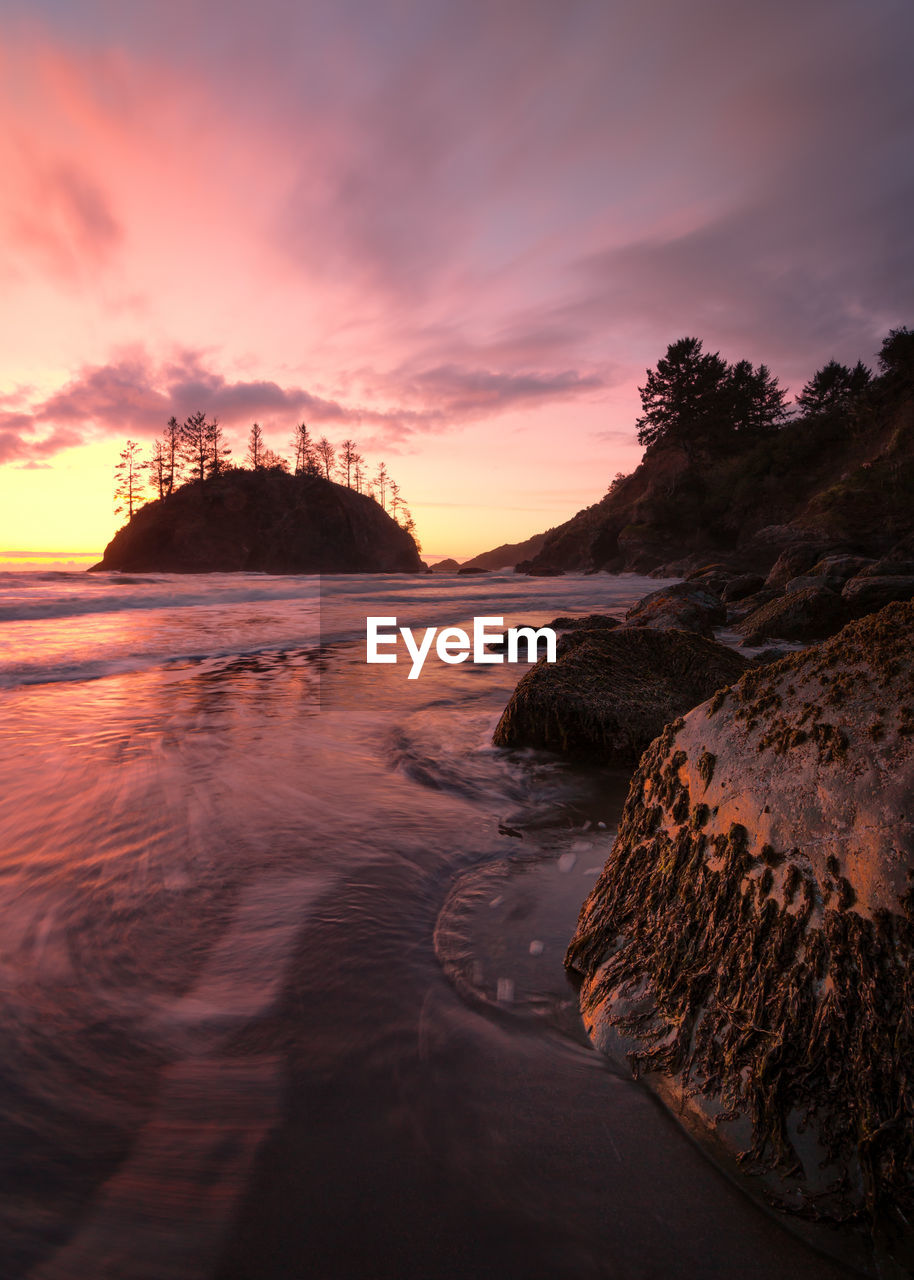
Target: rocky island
x: 263, y: 521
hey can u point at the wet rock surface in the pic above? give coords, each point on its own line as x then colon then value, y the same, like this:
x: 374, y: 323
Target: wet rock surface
x: 750, y: 943
x: 687, y: 606
x: 610, y: 692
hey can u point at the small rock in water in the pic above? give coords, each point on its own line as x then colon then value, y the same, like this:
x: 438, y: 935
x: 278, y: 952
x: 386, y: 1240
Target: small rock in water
x: 504, y: 991
x: 602, y: 826
x: 567, y: 861
x: 536, y: 947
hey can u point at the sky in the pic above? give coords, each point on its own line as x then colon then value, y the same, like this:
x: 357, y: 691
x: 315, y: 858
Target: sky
x: 457, y: 231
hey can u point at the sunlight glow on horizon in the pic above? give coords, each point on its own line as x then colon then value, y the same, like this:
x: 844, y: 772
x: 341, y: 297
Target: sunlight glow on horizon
x: 458, y: 238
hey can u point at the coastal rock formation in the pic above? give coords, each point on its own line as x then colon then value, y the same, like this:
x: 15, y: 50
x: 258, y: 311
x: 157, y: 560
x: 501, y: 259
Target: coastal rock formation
x: 445, y: 566
x: 807, y: 614
x: 262, y: 522
x: 687, y: 606
x: 750, y: 943
x: 867, y: 594
x: 610, y: 692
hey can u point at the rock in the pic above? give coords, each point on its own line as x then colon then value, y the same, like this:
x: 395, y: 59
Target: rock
x: 794, y: 560
x: 742, y: 608
x: 545, y: 572
x: 262, y: 522
x: 745, y: 584
x: 687, y: 606
x: 591, y: 622
x: 610, y: 692
x: 809, y: 614
x: 750, y: 943
x: 837, y: 569
x: 899, y: 562
x: 469, y: 571
x: 806, y: 582
x: 445, y: 566
x: 866, y: 595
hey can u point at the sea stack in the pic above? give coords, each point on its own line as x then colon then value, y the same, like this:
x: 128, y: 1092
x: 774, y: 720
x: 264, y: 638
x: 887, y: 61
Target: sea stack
x: 263, y: 521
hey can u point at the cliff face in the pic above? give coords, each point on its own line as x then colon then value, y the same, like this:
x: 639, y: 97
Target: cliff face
x: 266, y: 522
x: 844, y: 481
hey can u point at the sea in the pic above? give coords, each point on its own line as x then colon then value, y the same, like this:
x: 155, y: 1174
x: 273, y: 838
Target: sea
x: 281, y: 943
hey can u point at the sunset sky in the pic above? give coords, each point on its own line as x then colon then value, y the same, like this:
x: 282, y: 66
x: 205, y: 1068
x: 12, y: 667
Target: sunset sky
x: 456, y: 231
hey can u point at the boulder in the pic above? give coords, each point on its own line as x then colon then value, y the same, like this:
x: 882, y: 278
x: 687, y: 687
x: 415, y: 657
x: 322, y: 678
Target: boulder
x: 794, y: 560
x: 610, y: 692
x: 809, y: 614
x: 837, y: 569
x: 867, y: 594
x: 591, y: 622
x: 749, y: 946
x: 745, y: 584
x: 687, y: 606
x: 445, y: 566
x: 469, y: 571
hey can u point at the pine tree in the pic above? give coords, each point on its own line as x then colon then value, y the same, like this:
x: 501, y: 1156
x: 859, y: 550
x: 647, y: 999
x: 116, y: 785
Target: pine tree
x: 349, y: 460
x: 172, y: 447
x: 158, y: 469
x: 302, y: 451
x: 756, y: 401
x: 195, y: 445
x: 255, y: 448
x: 684, y: 398
x: 382, y: 479
x: 326, y: 452
x: 218, y: 450
x: 832, y: 387
x: 128, y: 480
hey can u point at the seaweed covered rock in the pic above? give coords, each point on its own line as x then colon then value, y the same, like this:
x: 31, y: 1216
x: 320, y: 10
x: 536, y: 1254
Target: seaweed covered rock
x: 808, y: 614
x: 687, y: 606
x: 610, y: 692
x: 750, y: 943
x: 867, y: 594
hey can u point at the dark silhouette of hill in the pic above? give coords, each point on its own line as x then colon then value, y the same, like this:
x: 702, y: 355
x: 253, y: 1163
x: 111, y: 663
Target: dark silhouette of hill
x: 263, y: 521
x: 842, y: 475
x: 508, y: 554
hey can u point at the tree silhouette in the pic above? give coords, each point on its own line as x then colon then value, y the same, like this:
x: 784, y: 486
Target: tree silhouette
x: 896, y: 356
x: 306, y: 462
x: 756, y: 401
x: 382, y: 479
x: 395, y: 502
x: 195, y: 445
x: 172, y: 449
x: 128, y: 482
x: 255, y: 448
x: 833, y: 386
x: 272, y: 461
x: 326, y: 452
x: 349, y: 460
x: 218, y: 450
x: 158, y: 469
x: 684, y: 399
